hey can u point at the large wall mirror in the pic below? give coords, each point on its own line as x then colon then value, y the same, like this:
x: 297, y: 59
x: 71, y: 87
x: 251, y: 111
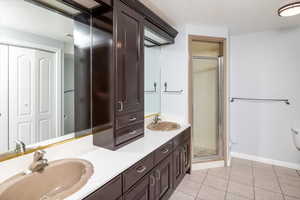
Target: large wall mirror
x: 152, y: 79
x: 42, y: 54
x: 46, y: 71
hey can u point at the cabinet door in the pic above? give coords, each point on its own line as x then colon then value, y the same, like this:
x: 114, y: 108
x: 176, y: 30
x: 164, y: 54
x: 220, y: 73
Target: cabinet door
x: 164, y: 179
x: 186, y: 156
x: 178, y: 173
x: 143, y: 190
x: 129, y: 59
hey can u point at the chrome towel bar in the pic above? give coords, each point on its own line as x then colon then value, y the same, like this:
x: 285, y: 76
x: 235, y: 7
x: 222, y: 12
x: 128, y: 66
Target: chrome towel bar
x: 286, y: 101
x: 171, y: 91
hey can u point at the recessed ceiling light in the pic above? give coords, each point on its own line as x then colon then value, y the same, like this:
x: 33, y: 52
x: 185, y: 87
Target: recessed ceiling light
x: 290, y: 9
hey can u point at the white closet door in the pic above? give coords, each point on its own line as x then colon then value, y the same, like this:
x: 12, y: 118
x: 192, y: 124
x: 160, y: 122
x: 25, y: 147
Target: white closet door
x: 31, y: 96
x: 22, y: 96
x: 3, y: 98
x: 45, y: 62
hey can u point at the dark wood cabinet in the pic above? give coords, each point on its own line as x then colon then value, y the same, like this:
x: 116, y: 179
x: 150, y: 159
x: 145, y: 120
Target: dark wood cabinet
x: 129, y: 59
x: 143, y: 190
x: 187, y: 155
x: 157, y: 185
x: 110, y: 191
x: 181, y: 157
x: 177, y: 166
x: 118, y: 75
x: 163, y: 151
x: 154, y: 177
x: 137, y: 171
x: 164, y: 179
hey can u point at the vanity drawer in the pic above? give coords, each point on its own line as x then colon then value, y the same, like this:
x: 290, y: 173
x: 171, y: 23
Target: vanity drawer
x: 128, y: 133
x: 130, y: 119
x: 110, y: 191
x: 162, y: 152
x: 181, y: 138
x: 137, y: 171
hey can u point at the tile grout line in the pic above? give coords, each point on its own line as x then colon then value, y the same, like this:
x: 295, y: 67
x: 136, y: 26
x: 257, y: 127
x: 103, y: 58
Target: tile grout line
x: 206, y: 174
x: 253, y: 179
x: 226, y: 192
x: 277, y: 177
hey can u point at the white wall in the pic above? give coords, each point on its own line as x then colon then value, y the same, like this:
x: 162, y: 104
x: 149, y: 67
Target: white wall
x: 175, y: 68
x: 265, y: 65
x: 152, y: 75
x: 174, y: 72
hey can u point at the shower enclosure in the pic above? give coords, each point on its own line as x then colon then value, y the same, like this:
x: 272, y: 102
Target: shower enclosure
x: 207, y: 98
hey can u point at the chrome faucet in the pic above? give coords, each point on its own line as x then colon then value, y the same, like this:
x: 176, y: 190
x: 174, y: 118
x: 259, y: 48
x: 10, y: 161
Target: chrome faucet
x: 39, y: 163
x: 156, y: 119
x: 20, y: 147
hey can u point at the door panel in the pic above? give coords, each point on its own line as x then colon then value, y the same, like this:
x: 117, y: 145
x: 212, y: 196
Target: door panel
x: 140, y: 191
x: 3, y: 98
x: 32, y: 96
x: 207, y: 107
x: 44, y: 89
x: 46, y: 97
x: 164, y: 179
x: 25, y: 84
x: 178, y: 166
x: 129, y: 60
x: 25, y: 132
x: 45, y: 128
x: 21, y: 95
x: 187, y: 155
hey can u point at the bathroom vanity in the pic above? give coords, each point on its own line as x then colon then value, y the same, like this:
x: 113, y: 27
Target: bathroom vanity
x: 147, y: 169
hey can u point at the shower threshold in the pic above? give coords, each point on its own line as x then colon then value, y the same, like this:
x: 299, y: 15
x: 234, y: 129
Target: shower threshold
x: 209, y: 158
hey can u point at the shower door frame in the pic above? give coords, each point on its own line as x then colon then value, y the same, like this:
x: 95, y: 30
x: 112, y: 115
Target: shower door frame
x: 222, y: 93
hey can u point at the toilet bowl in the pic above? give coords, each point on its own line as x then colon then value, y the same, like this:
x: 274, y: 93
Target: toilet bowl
x: 296, y: 137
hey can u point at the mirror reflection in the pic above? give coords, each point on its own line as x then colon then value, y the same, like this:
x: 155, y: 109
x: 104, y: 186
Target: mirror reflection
x: 37, y: 70
x: 152, y: 79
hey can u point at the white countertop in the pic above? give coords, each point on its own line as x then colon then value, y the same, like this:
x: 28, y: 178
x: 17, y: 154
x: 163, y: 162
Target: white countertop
x: 109, y: 164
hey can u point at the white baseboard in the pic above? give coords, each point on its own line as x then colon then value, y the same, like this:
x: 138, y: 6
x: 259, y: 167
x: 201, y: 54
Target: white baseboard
x: 266, y: 160
x: 207, y: 165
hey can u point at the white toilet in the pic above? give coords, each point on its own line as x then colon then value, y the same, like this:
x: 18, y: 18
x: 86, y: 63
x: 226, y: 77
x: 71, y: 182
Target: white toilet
x: 296, y: 137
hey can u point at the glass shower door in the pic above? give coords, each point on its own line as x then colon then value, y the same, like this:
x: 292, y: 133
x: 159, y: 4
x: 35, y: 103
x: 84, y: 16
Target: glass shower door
x: 206, y: 108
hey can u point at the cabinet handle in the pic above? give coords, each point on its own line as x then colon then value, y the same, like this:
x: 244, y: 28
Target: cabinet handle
x: 152, y: 180
x: 164, y: 151
x: 141, y: 169
x: 132, y: 133
x: 132, y: 119
x: 158, y: 175
x: 121, y: 106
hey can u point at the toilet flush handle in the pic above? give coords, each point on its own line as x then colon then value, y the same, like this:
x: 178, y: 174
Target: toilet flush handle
x: 295, y: 131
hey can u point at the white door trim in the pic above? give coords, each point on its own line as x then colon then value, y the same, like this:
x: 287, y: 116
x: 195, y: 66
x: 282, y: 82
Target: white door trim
x: 3, y: 98
x: 58, y: 74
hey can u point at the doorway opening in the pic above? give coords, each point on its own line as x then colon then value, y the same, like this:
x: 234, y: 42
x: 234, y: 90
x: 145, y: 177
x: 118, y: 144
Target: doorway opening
x: 206, y: 98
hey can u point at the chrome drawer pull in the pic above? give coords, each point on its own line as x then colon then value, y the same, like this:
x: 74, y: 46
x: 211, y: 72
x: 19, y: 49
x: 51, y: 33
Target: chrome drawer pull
x: 152, y: 180
x: 164, y: 151
x: 158, y: 174
x: 141, y: 169
x: 132, y: 119
x: 121, y: 106
x: 132, y: 133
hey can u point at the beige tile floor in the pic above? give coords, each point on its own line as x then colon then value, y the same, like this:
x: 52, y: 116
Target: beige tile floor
x: 244, y: 180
